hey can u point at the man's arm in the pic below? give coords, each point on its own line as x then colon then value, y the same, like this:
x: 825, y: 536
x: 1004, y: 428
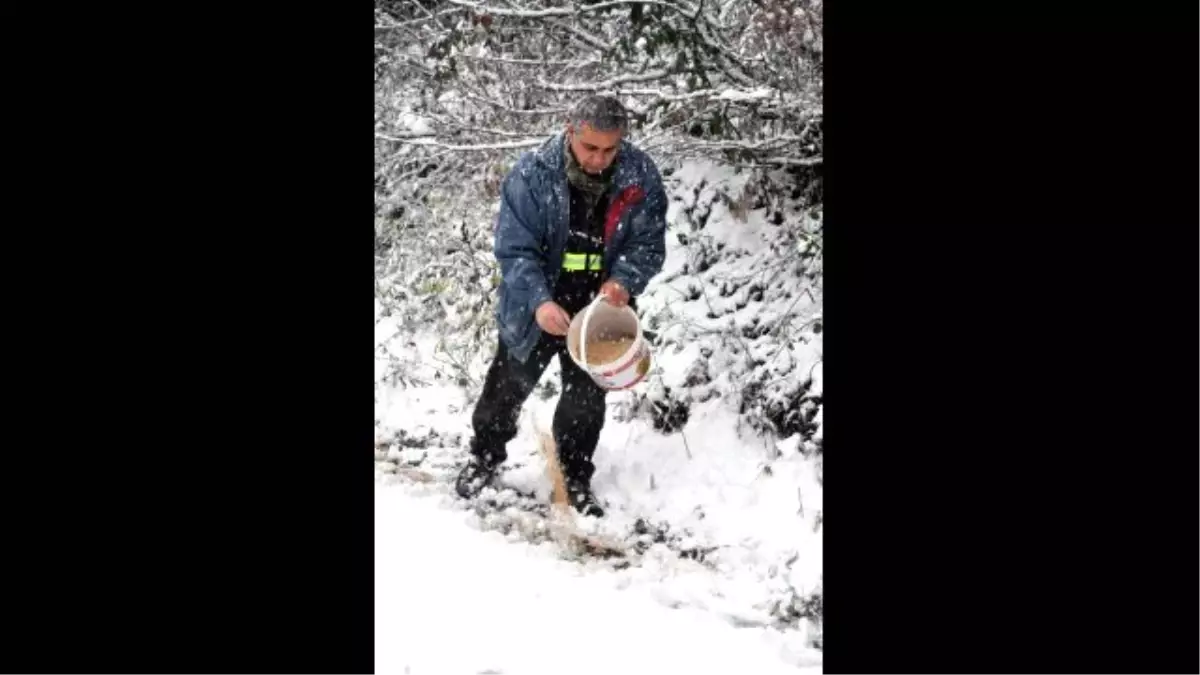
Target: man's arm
x: 645, y: 250
x: 519, y: 242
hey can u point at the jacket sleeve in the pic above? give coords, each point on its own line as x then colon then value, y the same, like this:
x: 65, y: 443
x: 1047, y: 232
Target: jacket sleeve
x: 645, y: 249
x: 519, y: 243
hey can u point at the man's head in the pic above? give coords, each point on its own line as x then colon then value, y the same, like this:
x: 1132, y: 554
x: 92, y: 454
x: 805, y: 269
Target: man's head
x: 595, y: 130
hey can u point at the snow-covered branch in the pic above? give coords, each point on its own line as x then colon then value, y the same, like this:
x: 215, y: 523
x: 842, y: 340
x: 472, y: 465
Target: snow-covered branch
x: 534, y: 62
x: 731, y: 94
x: 661, y: 95
x: 745, y: 145
x: 432, y: 17
x: 426, y: 141
x: 541, y: 111
x: 724, y: 11
x: 733, y: 59
x: 584, y: 37
x: 463, y: 85
x: 484, y: 130
x: 403, y: 137
x: 779, y: 161
x: 410, y: 62
x: 561, y: 11
x: 793, y: 161
x: 607, y: 84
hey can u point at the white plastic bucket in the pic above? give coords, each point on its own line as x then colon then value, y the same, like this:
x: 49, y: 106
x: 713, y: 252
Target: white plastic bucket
x: 603, y: 322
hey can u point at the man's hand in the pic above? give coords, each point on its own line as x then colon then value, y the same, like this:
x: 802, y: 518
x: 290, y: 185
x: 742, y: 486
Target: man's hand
x: 552, y: 318
x: 615, y: 292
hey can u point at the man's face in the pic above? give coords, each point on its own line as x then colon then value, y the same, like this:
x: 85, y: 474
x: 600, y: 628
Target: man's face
x: 594, y: 150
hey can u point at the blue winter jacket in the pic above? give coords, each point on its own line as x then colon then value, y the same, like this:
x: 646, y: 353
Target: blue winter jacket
x: 533, y: 227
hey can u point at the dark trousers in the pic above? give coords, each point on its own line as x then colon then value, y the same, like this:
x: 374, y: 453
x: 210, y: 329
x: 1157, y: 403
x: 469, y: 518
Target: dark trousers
x: 578, y: 418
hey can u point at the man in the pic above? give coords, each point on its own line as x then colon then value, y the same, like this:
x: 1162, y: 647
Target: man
x: 583, y: 214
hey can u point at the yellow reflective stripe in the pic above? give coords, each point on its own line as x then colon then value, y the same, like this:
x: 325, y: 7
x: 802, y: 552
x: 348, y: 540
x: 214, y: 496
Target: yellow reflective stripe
x: 578, y: 262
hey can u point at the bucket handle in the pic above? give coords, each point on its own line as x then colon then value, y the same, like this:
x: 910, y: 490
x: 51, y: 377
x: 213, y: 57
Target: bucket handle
x: 587, y: 314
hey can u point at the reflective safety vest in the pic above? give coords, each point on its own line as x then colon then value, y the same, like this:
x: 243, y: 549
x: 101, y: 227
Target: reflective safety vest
x: 578, y: 262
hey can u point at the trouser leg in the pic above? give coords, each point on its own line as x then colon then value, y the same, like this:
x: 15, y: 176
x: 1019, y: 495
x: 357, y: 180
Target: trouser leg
x: 506, y: 387
x: 578, y: 420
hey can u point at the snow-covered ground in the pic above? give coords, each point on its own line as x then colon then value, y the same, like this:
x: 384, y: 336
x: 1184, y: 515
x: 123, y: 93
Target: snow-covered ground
x: 450, y: 599
x: 454, y: 596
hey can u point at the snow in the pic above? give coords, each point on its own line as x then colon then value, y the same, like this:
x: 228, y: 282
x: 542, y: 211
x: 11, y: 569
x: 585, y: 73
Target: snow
x: 438, y: 578
x: 415, y: 123
x: 742, y: 95
x: 449, y: 599
x: 719, y: 492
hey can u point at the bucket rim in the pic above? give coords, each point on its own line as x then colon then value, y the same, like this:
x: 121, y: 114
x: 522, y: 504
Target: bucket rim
x: 624, y: 358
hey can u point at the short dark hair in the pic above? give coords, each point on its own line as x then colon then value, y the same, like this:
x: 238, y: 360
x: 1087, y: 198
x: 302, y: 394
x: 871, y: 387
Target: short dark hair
x: 602, y: 113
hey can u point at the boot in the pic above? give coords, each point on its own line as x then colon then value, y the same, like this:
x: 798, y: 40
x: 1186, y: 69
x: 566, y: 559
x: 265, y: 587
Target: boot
x: 580, y: 496
x: 477, y: 474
